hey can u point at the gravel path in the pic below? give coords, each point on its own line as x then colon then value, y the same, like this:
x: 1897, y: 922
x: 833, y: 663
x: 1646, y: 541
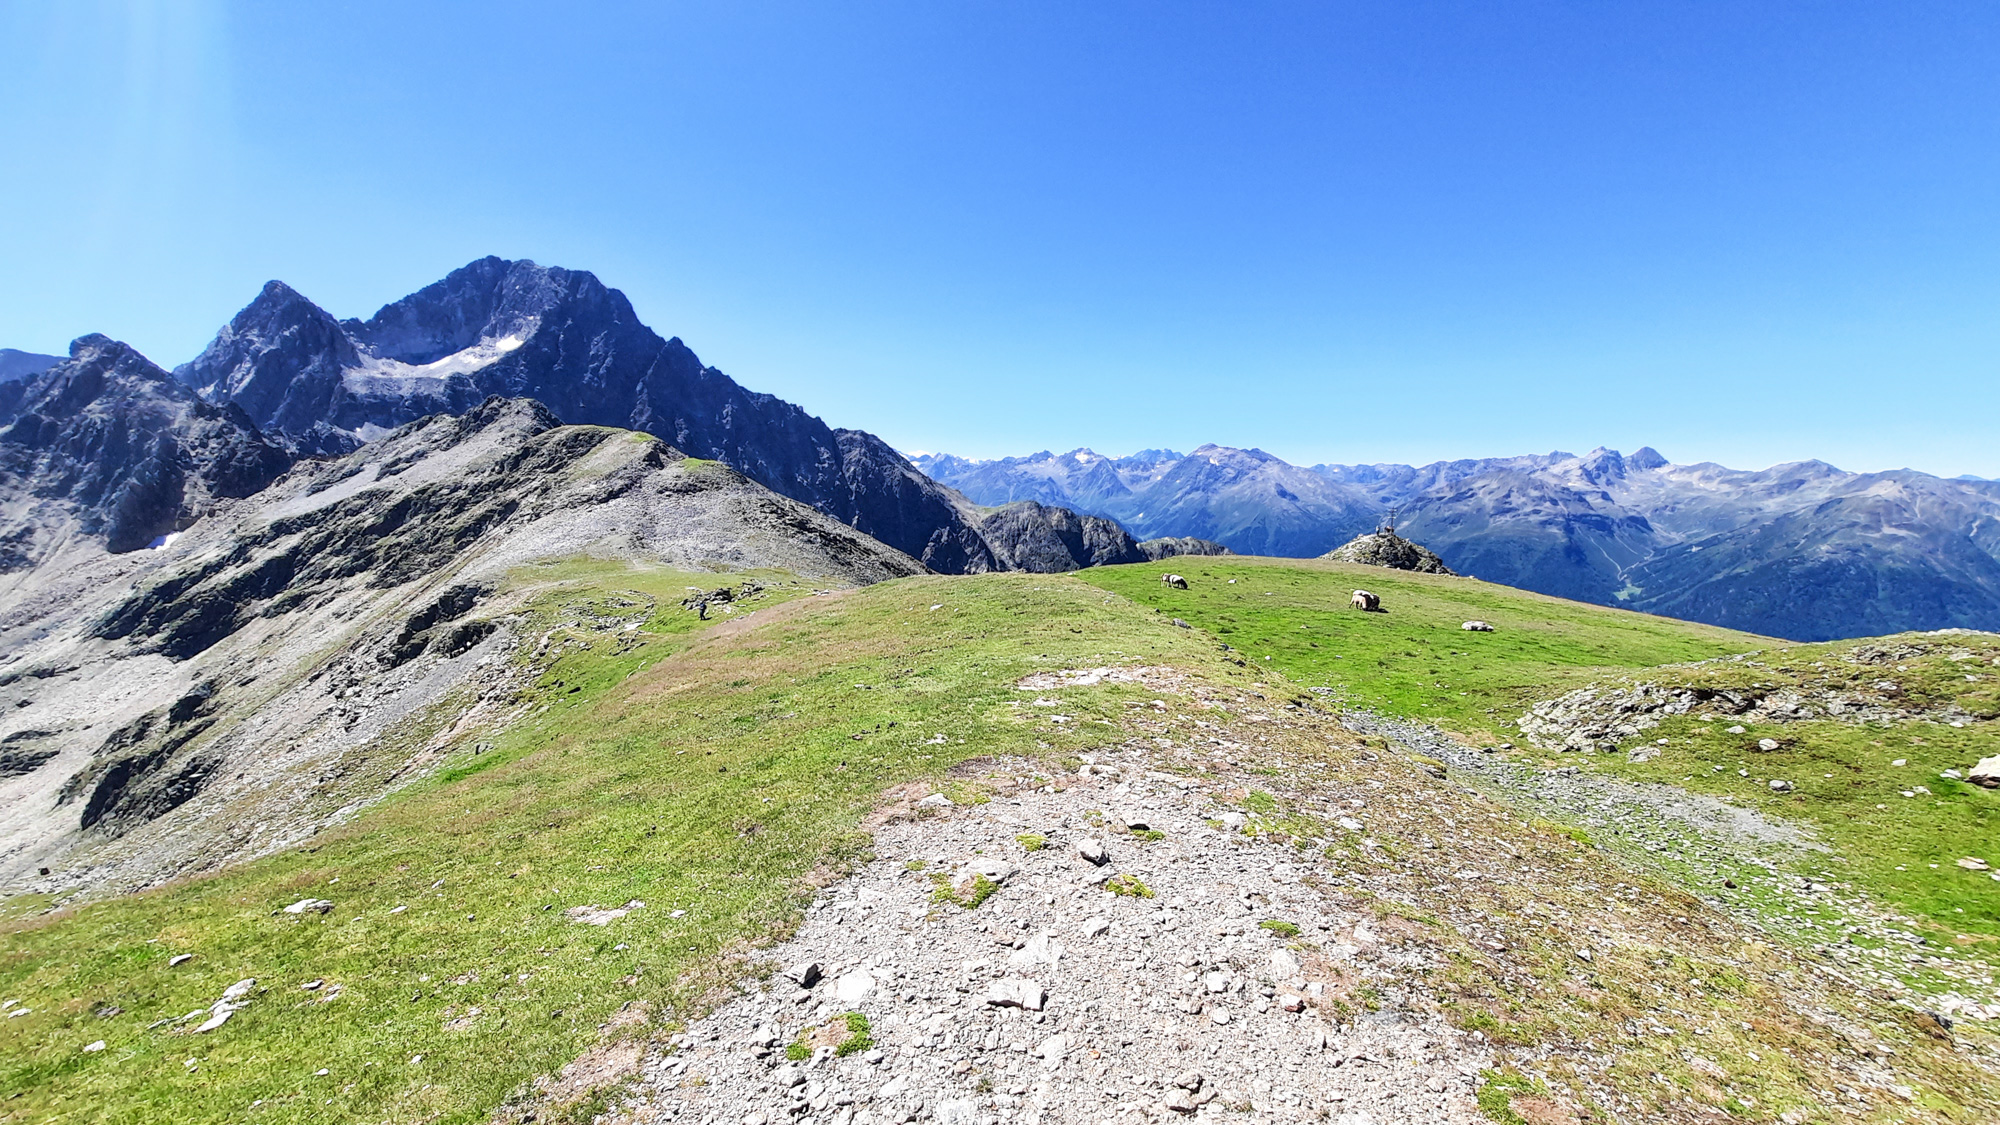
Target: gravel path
x: 1056, y: 1000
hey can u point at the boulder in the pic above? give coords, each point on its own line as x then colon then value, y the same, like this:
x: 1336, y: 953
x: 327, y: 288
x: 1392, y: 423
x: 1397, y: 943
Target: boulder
x: 1986, y: 772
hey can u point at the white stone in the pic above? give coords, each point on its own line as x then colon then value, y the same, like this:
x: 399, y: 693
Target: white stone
x: 853, y: 986
x: 1016, y: 992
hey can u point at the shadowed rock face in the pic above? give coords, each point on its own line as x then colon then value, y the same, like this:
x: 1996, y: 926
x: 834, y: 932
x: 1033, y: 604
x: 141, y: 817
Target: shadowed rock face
x: 517, y: 329
x: 112, y: 442
x: 1046, y: 540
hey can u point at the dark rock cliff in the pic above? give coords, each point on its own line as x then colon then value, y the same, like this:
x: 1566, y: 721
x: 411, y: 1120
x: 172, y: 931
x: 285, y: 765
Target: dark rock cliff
x: 130, y: 454
x: 562, y: 337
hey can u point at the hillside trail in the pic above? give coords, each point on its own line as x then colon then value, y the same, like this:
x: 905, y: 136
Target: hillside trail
x: 1239, y: 906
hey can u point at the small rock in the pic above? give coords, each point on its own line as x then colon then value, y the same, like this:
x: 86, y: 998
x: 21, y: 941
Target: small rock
x: 1972, y: 864
x: 1092, y: 849
x: 1986, y: 772
x: 1189, y: 1080
x: 310, y: 906
x: 1779, y: 785
x: 1180, y: 1101
x: 1291, y: 1002
x: 312, y: 985
x: 788, y: 1077
x: 93, y: 1048
x: 601, y: 915
x: 1218, y: 982
x: 240, y: 989
x: 853, y: 986
x: 805, y: 974
x: 179, y: 959
x: 1734, y: 730
x: 1585, y: 955
x: 995, y: 869
x: 1349, y: 823
x: 1284, y: 966
x: 1235, y: 821
x: 1016, y: 992
x: 935, y: 801
x: 1767, y: 744
x: 1219, y: 1015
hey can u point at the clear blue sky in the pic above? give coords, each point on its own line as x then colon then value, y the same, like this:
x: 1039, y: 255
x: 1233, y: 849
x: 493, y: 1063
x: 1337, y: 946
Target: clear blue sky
x: 1400, y: 231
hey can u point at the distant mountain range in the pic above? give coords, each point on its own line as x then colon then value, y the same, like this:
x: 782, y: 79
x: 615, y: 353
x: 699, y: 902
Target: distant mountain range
x: 1803, y: 550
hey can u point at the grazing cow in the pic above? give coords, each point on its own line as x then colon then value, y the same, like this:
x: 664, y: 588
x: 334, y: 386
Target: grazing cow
x: 1364, y: 600
x: 1174, y: 580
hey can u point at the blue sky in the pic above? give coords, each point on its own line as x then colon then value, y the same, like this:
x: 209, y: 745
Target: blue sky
x: 1748, y: 233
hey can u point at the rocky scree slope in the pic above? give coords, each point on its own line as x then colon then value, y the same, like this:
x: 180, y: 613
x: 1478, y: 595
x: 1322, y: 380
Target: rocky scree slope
x: 1804, y: 551
x: 108, y: 445
x: 283, y: 664
x: 562, y: 337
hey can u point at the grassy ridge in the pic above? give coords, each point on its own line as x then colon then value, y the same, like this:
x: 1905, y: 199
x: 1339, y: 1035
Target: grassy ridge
x: 1414, y: 659
x: 702, y: 772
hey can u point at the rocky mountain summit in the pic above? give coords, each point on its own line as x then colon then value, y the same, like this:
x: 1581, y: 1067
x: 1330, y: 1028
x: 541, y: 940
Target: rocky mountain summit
x: 1804, y: 550
x: 565, y: 339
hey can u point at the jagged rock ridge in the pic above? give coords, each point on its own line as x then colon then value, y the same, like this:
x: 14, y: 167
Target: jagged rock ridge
x: 565, y: 339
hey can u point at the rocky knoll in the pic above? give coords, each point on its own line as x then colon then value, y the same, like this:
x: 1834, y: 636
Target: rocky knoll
x: 110, y: 444
x: 1388, y: 549
x: 567, y: 340
x: 288, y: 660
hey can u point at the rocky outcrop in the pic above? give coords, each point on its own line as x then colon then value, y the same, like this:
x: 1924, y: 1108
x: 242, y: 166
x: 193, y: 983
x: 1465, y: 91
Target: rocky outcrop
x: 113, y: 444
x: 1172, y: 546
x: 1035, y: 537
x: 1912, y: 678
x: 563, y: 338
x: 1388, y: 549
